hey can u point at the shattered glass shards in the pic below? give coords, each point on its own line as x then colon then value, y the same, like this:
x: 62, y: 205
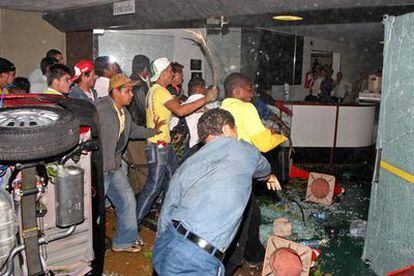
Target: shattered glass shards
x: 341, y: 255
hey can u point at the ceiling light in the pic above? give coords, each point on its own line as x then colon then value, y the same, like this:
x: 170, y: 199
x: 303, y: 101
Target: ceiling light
x: 287, y: 17
x: 99, y: 31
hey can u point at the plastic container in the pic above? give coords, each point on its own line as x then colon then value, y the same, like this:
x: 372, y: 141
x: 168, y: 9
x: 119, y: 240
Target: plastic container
x: 320, y: 215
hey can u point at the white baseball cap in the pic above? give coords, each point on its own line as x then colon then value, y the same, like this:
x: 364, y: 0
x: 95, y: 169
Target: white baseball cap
x: 157, y: 66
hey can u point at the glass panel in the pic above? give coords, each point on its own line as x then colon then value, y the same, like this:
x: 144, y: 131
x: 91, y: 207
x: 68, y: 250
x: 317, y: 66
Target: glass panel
x: 271, y: 59
x: 121, y: 46
x: 175, y: 44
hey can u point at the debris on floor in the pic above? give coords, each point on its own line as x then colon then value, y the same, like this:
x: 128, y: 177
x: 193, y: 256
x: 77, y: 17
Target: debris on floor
x: 337, y: 230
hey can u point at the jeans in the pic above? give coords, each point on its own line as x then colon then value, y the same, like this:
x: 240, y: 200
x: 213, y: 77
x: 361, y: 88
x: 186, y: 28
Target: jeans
x: 162, y: 164
x: 125, y: 169
x: 120, y: 193
x: 173, y: 254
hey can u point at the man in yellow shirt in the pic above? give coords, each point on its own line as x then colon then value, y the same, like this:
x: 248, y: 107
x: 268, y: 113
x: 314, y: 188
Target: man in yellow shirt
x: 7, y: 74
x: 238, y: 92
x: 160, y: 105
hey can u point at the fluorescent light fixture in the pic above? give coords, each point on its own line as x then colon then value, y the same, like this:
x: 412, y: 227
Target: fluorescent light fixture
x: 287, y: 17
x: 99, y: 31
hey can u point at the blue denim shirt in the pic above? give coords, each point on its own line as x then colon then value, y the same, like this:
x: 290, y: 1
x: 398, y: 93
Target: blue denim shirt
x: 210, y: 190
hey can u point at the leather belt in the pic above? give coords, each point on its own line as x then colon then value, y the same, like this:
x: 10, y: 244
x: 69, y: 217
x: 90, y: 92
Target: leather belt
x: 203, y: 244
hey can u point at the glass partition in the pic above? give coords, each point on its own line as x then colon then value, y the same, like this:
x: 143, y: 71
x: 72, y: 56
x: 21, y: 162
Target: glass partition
x: 273, y: 60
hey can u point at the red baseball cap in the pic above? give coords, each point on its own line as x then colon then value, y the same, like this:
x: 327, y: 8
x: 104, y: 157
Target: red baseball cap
x: 81, y: 67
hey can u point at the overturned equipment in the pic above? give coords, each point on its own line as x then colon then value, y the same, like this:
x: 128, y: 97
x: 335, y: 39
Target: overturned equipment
x: 284, y: 257
x: 282, y: 227
x: 320, y: 188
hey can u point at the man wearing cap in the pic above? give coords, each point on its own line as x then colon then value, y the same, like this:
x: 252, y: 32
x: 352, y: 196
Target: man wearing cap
x: 116, y: 129
x: 160, y: 157
x: 84, y: 80
x: 58, y: 80
x: 7, y: 74
x: 204, y: 204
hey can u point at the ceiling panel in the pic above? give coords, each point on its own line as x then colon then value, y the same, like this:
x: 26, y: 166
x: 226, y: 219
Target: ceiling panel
x: 333, y: 19
x: 216, y: 7
x: 50, y: 5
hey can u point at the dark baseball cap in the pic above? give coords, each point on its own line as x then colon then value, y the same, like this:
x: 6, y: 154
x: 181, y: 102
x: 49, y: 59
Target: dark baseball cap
x: 6, y: 66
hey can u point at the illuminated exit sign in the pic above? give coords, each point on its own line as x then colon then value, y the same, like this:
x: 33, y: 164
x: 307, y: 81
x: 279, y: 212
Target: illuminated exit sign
x: 124, y: 7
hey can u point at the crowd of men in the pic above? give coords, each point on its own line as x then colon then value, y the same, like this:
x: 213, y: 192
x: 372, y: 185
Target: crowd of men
x: 322, y: 87
x: 209, y: 220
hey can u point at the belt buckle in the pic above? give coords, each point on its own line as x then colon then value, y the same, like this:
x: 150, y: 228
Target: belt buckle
x: 201, y: 243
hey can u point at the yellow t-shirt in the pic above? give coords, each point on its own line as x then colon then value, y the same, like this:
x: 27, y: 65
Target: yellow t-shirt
x: 156, y: 98
x: 249, y: 126
x: 51, y: 91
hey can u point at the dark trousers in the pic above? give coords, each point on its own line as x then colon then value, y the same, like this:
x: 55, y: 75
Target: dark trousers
x: 162, y: 164
x: 246, y: 243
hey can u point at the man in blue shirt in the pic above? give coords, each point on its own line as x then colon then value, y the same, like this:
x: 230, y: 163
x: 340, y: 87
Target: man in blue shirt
x: 206, y: 199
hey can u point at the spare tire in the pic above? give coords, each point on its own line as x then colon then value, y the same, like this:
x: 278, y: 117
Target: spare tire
x: 37, y: 132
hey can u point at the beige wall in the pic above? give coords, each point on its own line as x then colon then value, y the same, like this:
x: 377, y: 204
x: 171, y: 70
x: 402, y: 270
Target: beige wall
x: 25, y: 38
